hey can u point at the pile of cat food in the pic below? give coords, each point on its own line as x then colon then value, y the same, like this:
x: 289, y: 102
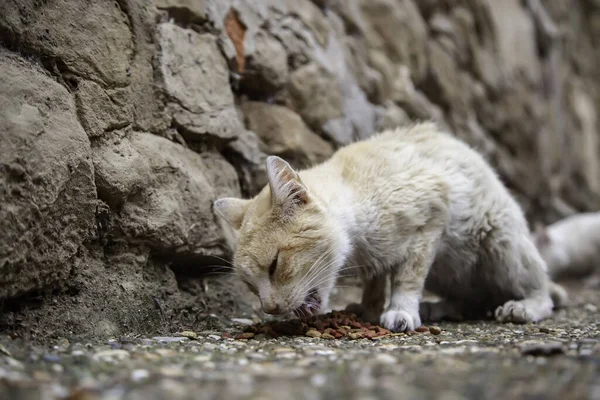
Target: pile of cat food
x: 334, y: 325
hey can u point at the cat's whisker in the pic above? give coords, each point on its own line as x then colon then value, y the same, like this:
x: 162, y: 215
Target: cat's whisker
x: 316, y: 269
x: 332, y: 273
x: 312, y: 271
x: 229, y: 263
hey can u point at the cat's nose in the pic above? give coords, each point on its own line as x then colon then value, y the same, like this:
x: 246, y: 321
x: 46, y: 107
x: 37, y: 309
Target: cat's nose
x: 271, y: 308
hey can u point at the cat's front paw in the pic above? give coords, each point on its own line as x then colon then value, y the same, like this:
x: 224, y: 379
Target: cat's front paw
x: 363, y: 313
x: 400, y: 320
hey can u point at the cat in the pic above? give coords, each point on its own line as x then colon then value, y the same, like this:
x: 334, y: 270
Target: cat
x: 571, y: 246
x: 412, y: 204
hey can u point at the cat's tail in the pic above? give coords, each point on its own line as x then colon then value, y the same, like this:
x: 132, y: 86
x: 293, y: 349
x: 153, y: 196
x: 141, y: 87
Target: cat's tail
x: 559, y: 295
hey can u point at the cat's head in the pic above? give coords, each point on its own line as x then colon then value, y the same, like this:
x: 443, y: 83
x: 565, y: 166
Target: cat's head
x: 289, y: 249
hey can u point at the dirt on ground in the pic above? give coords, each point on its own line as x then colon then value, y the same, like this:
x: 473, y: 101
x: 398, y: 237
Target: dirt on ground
x: 557, y: 358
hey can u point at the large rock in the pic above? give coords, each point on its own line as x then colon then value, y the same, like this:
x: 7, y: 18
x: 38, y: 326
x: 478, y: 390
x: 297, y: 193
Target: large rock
x: 249, y: 160
x: 358, y: 121
x: 587, y: 143
x: 88, y: 38
x: 266, y: 68
x: 161, y: 193
x: 505, y: 46
x: 282, y: 132
x: 412, y: 100
x: 196, y: 79
x: 397, y: 28
x: 316, y: 95
x: 102, y: 110
x: 47, y: 192
x: 514, y: 33
x: 390, y: 116
x: 446, y: 82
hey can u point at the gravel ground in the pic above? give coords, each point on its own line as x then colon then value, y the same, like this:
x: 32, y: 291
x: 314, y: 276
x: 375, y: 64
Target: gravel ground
x: 558, y: 358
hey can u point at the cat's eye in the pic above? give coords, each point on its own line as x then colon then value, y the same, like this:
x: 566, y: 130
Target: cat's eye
x: 273, y: 265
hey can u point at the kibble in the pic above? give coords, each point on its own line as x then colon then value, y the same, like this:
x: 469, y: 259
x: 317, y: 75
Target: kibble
x: 245, y: 335
x: 434, y: 330
x: 334, y: 325
x: 313, y: 333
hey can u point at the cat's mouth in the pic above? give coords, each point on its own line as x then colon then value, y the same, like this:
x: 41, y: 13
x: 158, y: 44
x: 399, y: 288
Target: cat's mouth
x: 312, y: 304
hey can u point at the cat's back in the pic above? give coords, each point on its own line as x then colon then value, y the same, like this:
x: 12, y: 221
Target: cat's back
x: 414, y: 153
x: 412, y: 168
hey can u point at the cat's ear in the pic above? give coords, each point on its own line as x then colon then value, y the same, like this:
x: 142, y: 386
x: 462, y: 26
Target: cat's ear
x: 287, y: 189
x: 232, y: 210
x: 541, y: 235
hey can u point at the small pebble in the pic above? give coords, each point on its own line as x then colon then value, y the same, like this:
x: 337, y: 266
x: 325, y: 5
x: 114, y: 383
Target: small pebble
x: 283, y: 350
x: 260, y: 336
x: 542, y: 349
x: 4, y: 351
x: 318, y: 380
x: 42, y: 376
x: 327, y: 336
x: 171, y: 339
x: 165, y: 352
x: 386, y: 358
x: 138, y: 375
x: 242, y: 321
x: 202, y: 358
x: 11, y: 362
x: 57, y: 368
x: 543, y: 329
x: 111, y: 354
x: 422, y: 329
x: 54, y: 358
x: 434, y: 330
x: 313, y: 333
x: 590, y: 307
x: 189, y: 335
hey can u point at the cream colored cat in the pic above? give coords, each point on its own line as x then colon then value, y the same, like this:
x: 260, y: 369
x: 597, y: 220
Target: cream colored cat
x: 571, y: 246
x: 412, y: 204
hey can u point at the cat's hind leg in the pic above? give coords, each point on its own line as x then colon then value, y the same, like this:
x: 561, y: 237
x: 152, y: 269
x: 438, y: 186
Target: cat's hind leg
x: 534, y: 308
x: 520, y: 272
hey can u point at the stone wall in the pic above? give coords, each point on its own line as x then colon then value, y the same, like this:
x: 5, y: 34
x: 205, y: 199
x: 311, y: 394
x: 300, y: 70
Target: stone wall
x: 121, y: 120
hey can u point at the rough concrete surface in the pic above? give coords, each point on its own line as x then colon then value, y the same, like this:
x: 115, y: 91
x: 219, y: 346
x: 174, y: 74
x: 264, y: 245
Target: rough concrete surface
x: 556, y: 359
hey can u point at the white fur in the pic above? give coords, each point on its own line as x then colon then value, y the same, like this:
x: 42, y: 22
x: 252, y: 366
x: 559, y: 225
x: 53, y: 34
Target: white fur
x: 571, y: 247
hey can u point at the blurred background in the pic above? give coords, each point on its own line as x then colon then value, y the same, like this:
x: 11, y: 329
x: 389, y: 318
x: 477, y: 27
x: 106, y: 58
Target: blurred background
x: 121, y: 121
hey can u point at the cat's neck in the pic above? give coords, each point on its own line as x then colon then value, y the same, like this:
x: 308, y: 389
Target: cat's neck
x: 328, y: 187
